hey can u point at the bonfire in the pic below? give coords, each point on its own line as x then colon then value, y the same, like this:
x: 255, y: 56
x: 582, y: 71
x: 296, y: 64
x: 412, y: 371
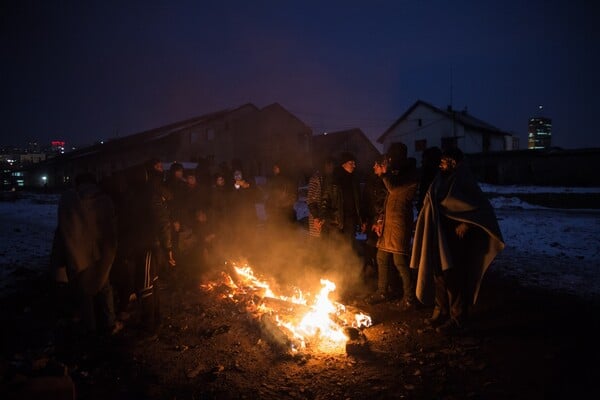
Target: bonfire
x: 299, y: 322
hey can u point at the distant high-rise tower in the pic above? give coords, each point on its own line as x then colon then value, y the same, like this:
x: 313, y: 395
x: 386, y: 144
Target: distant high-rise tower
x: 540, y: 132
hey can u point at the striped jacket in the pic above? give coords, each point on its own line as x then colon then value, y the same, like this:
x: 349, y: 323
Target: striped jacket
x: 318, y: 201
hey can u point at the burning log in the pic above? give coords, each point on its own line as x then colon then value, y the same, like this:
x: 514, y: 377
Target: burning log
x: 354, y: 317
x: 277, y: 336
x: 284, y: 306
x: 357, y: 345
x: 294, y: 324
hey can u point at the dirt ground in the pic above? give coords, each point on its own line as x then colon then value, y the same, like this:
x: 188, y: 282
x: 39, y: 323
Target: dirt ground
x: 522, y: 343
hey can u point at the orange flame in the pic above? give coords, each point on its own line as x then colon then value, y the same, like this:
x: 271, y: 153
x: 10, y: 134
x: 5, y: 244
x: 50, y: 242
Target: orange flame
x: 321, y: 327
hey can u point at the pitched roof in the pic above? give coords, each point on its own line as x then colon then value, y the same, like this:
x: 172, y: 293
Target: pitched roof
x: 461, y: 117
x: 278, y: 107
x: 332, y: 140
x: 155, y: 133
x: 328, y: 143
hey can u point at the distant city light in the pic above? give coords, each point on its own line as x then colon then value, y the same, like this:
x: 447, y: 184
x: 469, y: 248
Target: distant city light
x: 44, y: 178
x: 58, y: 146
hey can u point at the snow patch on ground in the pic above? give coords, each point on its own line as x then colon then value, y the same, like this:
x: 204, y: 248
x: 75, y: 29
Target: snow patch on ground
x: 514, y: 189
x: 547, y: 247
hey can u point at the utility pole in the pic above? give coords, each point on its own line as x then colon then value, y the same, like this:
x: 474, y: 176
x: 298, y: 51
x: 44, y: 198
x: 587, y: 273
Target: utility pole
x: 451, y: 88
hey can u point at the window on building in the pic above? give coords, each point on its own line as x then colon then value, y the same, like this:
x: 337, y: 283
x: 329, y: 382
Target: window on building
x: 420, y: 145
x: 420, y: 122
x: 486, y: 142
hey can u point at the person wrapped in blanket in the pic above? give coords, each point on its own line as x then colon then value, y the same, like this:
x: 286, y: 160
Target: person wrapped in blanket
x: 456, y: 239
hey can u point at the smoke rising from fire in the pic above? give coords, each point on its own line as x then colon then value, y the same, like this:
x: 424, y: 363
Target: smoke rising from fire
x: 284, y: 252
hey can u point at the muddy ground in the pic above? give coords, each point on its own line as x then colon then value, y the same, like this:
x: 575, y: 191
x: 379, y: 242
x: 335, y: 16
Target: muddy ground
x: 523, y: 343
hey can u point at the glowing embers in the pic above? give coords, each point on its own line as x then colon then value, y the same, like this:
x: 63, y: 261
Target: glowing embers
x: 297, y: 322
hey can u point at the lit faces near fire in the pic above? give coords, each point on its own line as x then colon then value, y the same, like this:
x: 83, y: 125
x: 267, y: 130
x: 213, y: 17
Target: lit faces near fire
x: 447, y: 164
x: 349, y: 166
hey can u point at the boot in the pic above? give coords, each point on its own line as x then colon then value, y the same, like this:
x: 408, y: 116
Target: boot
x: 437, y: 318
x: 450, y: 327
x: 407, y: 304
x: 377, y: 298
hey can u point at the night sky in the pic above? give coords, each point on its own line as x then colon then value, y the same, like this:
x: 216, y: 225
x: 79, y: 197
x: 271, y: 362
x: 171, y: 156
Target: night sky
x: 84, y: 73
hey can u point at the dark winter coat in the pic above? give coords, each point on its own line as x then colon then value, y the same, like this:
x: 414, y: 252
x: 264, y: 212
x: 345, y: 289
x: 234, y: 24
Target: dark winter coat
x: 87, y: 236
x: 281, y: 196
x: 345, y: 200
x: 373, y: 202
x: 153, y: 217
x: 220, y: 202
x: 160, y: 217
x: 179, y: 199
x: 242, y: 205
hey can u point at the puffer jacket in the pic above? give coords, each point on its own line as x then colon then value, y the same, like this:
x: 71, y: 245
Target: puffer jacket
x: 398, y: 212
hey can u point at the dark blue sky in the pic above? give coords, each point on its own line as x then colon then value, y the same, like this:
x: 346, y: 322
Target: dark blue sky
x: 85, y: 72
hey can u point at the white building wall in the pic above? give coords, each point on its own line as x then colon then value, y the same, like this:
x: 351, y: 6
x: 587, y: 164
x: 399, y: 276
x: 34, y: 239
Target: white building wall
x: 511, y: 142
x: 470, y: 142
x: 425, y: 124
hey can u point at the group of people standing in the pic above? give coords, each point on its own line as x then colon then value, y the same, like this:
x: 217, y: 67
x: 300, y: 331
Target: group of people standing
x: 115, y: 238
x: 438, y: 257
x: 110, y: 239
x: 125, y: 233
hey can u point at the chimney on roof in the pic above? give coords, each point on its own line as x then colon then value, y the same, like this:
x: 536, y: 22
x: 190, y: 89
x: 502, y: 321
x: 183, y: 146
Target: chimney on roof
x: 465, y: 110
x: 449, y: 108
